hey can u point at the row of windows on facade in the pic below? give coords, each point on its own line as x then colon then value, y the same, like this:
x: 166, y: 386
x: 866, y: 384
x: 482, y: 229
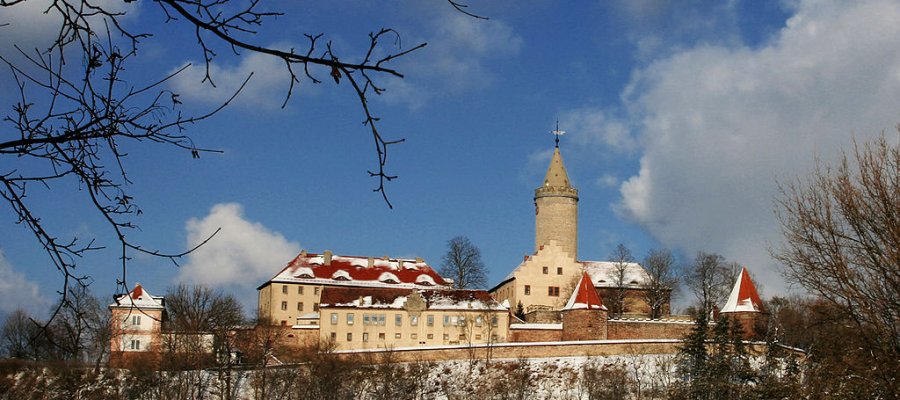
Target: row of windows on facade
x: 412, y: 336
x: 379, y: 320
x: 134, y: 321
x: 284, y: 290
x: 551, y: 290
x: 284, y: 306
x: 546, y: 270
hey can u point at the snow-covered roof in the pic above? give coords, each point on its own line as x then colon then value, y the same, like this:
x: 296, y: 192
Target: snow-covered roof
x: 461, y: 300
x: 396, y: 298
x: 606, y: 274
x: 744, y: 297
x: 317, y: 269
x: 603, y: 274
x: 138, y: 298
x: 585, y: 296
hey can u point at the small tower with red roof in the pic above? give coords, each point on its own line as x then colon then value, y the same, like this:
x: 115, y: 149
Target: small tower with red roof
x: 745, y: 307
x: 584, y: 316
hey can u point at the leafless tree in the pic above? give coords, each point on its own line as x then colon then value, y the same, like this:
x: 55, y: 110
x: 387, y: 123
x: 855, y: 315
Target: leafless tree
x: 199, y: 331
x: 463, y: 264
x: 621, y: 258
x: 72, y: 332
x: 77, y: 113
x: 18, y: 335
x: 842, y: 242
x: 708, y: 279
x: 661, y: 281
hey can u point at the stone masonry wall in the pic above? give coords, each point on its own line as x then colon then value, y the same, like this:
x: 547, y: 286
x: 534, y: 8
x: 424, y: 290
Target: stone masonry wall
x: 535, y: 335
x: 584, y: 325
x: 647, y: 329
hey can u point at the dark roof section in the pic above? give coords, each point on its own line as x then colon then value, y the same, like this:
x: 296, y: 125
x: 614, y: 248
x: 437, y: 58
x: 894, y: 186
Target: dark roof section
x: 344, y: 296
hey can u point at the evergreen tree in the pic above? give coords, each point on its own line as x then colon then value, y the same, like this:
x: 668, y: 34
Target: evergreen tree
x: 694, y: 357
x: 520, y: 311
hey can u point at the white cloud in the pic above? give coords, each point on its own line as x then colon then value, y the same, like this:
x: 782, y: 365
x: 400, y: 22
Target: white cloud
x: 267, y: 88
x: 18, y: 292
x: 240, y: 257
x: 595, y: 128
x: 608, y: 181
x: 454, y: 60
x: 719, y: 125
x: 33, y: 24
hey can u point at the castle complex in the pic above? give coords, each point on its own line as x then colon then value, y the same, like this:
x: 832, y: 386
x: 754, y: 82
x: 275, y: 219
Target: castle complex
x: 358, y: 302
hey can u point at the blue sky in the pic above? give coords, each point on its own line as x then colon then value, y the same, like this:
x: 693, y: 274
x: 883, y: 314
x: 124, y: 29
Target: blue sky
x: 681, y: 118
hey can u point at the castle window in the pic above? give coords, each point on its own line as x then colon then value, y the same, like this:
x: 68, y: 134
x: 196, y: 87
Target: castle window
x: 559, y: 270
x: 413, y: 320
x: 381, y: 336
x: 527, y: 290
x: 398, y: 320
x: 365, y: 336
x: 494, y: 321
x: 300, y: 306
x: 430, y: 336
x: 478, y: 321
x: 135, y: 344
x: 333, y: 336
x: 477, y: 337
x: 350, y: 319
x: 349, y: 337
x: 398, y: 336
x: 414, y: 336
x: 334, y: 318
x: 553, y: 291
x: 430, y: 319
x: 316, y: 307
x: 284, y: 289
x: 136, y: 320
x: 546, y: 270
x: 446, y: 336
x: 316, y: 291
x: 299, y: 289
x: 283, y: 306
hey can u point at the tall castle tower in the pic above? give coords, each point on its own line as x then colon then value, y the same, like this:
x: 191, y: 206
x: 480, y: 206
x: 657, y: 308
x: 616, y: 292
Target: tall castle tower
x: 556, y: 209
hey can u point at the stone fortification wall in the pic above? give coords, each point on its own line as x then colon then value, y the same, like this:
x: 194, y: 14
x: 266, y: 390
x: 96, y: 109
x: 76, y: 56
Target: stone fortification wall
x: 525, y: 350
x: 584, y: 325
x: 535, y: 335
x: 618, y: 329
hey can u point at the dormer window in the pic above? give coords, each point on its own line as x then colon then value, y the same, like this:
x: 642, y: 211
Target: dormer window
x: 304, y: 272
x: 425, y: 280
x: 341, y: 275
x: 388, y: 277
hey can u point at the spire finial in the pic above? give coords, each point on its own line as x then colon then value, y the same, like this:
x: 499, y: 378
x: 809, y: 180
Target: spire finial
x: 557, y: 133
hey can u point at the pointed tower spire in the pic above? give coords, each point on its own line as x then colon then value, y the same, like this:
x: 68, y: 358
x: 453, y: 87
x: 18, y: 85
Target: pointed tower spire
x: 744, y: 297
x: 556, y: 207
x: 556, y: 172
x: 585, y: 296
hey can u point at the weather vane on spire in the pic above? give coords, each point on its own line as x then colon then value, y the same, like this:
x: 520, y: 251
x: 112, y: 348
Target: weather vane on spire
x: 557, y: 133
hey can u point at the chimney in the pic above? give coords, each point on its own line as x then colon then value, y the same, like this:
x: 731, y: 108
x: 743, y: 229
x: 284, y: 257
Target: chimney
x: 371, y: 262
x: 303, y: 253
x: 386, y: 258
x: 327, y: 256
x: 419, y: 260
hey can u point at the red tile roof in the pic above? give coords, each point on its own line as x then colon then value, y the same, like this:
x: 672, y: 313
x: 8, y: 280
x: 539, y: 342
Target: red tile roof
x: 355, y: 271
x: 744, y: 297
x: 585, y: 296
